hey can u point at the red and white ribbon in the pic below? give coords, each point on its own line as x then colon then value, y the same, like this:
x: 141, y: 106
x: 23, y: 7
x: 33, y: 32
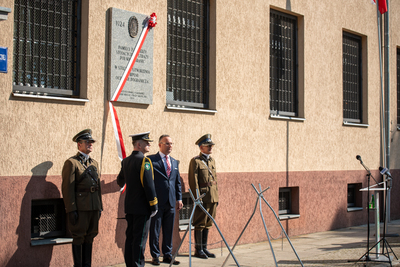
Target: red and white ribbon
x: 114, y: 117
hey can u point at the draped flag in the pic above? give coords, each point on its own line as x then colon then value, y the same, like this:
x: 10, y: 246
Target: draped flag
x: 382, y: 6
x: 114, y: 117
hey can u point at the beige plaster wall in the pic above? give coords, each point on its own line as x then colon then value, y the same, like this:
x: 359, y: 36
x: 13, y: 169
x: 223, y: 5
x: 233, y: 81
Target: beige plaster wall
x: 35, y: 131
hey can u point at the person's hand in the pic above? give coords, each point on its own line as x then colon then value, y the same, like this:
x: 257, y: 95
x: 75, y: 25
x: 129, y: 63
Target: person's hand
x: 73, y: 217
x: 179, y: 205
x: 153, y: 213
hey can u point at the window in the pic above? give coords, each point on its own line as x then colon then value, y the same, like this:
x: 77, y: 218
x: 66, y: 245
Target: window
x: 398, y: 86
x: 352, y: 78
x: 354, y: 197
x: 187, y: 53
x: 46, y: 47
x: 283, y: 64
x: 285, y: 200
x: 288, y: 202
x: 186, y: 211
x: 48, y: 218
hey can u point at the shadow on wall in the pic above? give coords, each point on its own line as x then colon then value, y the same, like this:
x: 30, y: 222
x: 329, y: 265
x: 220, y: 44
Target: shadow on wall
x: 37, y: 188
x: 120, y: 229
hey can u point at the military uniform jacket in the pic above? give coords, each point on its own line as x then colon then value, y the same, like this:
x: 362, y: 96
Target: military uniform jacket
x: 81, y: 185
x: 203, y: 176
x: 137, y: 173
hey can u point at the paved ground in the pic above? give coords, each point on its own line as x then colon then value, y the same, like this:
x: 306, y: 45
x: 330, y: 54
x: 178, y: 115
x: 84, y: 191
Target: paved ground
x: 341, y: 247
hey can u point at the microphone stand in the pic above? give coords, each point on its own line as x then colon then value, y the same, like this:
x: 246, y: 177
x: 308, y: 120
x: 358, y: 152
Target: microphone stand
x: 369, y: 175
x: 366, y: 255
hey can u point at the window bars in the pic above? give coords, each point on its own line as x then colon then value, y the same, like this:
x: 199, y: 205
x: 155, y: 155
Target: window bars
x: 352, y: 87
x: 283, y: 64
x: 46, y: 46
x: 187, y: 53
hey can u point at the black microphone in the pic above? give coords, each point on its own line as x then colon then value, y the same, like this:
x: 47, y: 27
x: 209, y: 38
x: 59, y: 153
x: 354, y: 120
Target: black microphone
x: 358, y: 157
x: 385, y: 171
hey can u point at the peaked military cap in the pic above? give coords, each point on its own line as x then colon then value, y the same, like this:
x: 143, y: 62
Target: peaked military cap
x: 141, y: 136
x: 205, y: 140
x: 84, y: 135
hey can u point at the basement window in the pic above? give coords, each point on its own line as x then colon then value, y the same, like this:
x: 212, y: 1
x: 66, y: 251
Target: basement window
x: 48, y: 222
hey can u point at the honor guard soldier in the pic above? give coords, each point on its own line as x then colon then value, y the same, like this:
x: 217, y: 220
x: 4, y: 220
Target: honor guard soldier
x: 140, y: 198
x: 82, y: 198
x: 203, y: 177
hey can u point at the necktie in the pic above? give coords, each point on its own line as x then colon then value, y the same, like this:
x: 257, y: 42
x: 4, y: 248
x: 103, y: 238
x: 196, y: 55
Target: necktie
x: 168, y: 165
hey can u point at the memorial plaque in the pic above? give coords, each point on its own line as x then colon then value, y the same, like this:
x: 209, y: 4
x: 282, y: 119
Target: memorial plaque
x: 125, y: 29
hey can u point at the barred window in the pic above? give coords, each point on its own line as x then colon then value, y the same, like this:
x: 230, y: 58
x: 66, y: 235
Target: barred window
x: 398, y: 86
x: 285, y: 200
x: 48, y: 218
x: 283, y: 64
x: 187, y: 53
x: 352, y: 85
x: 186, y: 211
x: 46, y: 47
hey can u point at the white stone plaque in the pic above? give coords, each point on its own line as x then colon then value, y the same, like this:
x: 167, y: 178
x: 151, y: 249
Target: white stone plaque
x: 125, y: 29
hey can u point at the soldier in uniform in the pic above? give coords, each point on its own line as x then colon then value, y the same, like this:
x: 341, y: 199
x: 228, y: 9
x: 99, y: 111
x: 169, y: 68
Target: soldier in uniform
x: 82, y: 198
x: 203, y: 177
x: 140, y: 199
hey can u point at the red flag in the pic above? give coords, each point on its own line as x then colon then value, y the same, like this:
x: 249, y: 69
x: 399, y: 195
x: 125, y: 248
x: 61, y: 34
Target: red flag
x: 382, y: 6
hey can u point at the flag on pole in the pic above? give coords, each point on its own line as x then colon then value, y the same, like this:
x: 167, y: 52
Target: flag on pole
x: 382, y: 6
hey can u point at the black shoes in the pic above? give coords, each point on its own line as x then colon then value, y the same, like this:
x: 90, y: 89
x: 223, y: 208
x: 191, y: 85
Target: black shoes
x: 169, y: 260
x: 199, y: 253
x: 208, y: 253
x: 155, y: 261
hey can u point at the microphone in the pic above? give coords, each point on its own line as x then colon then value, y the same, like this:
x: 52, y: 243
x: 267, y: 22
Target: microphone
x: 385, y: 171
x: 358, y: 157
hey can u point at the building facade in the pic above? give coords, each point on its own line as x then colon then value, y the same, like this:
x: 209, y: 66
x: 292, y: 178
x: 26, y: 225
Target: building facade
x: 289, y: 89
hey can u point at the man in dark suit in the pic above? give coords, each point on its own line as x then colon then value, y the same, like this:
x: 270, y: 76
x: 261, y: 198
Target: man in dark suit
x: 140, y: 199
x: 82, y: 198
x: 169, y: 193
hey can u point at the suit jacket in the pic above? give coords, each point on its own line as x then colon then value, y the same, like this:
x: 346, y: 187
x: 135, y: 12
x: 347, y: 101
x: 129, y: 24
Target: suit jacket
x: 203, y: 176
x: 75, y: 180
x: 137, y: 173
x: 168, y: 190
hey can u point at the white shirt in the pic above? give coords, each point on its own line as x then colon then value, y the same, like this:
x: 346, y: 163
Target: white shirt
x: 85, y: 155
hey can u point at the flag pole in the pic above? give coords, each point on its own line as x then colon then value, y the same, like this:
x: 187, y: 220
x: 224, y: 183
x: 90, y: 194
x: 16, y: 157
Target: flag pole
x: 387, y: 102
x: 383, y: 148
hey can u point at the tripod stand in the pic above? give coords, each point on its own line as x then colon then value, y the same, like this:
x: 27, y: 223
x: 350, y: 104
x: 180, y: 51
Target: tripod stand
x: 259, y: 197
x: 385, y: 255
x: 198, y: 203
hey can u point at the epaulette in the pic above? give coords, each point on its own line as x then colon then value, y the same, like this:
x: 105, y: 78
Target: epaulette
x: 196, y: 157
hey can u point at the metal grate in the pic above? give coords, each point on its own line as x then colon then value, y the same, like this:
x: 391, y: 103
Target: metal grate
x: 352, y: 78
x: 187, y: 53
x: 283, y: 64
x: 47, y: 218
x: 351, y: 195
x: 284, y: 200
x: 186, y: 211
x: 46, y: 46
x: 398, y: 86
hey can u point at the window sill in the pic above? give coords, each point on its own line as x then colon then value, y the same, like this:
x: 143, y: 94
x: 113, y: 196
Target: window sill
x: 288, y: 216
x: 192, y: 109
x: 354, y: 209
x: 51, y: 97
x: 51, y: 241
x: 280, y: 117
x: 183, y: 227
x: 346, y: 123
